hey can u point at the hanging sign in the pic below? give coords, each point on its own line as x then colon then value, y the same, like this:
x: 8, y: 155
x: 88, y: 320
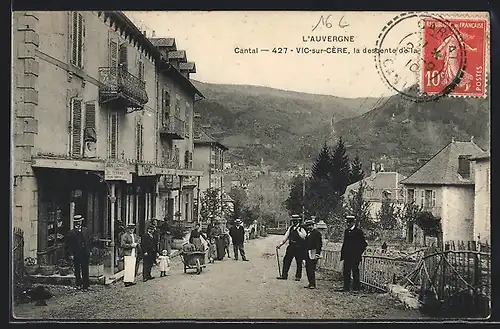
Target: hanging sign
x: 146, y: 170
x: 114, y: 170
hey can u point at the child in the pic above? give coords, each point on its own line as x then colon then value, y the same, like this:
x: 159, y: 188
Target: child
x: 164, y: 263
x: 212, y: 251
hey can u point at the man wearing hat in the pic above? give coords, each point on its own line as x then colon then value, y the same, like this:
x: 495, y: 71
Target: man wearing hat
x: 78, y: 247
x: 150, y: 253
x: 237, y: 233
x: 352, y: 248
x: 313, y: 246
x: 295, y: 235
x: 129, y: 243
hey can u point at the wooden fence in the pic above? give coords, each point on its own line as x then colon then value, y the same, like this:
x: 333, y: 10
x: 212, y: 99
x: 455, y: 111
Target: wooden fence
x: 452, y: 281
x: 18, y: 254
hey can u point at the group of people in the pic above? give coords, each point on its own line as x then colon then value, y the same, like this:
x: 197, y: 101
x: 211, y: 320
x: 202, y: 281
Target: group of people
x: 305, y: 243
x: 218, y: 240
x: 79, y: 245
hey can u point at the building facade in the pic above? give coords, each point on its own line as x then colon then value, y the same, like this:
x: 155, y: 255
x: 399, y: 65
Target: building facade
x: 482, y: 198
x: 444, y: 186
x: 87, y: 126
x: 209, y: 159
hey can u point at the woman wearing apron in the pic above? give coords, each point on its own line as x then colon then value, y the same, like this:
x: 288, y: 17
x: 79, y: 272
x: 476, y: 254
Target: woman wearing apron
x: 196, y: 238
x: 129, y: 243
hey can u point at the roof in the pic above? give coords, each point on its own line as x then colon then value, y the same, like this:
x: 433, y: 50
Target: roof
x: 188, y: 66
x: 384, y: 180
x: 484, y: 156
x: 177, y: 54
x: 202, y: 137
x: 442, y: 168
x: 163, y: 42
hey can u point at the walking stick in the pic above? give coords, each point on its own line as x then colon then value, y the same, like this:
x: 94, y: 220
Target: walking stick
x: 278, y: 259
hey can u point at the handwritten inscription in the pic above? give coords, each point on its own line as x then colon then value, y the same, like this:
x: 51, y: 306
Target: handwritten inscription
x: 325, y: 22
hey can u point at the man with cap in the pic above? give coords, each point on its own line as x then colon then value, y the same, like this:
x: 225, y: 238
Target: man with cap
x: 237, y: 233
x: 129, y: 243
x: 352, y: 248
x: 313, y: 246
x: 295, y: 235
x: 150, y: 253
x: 78, y: 247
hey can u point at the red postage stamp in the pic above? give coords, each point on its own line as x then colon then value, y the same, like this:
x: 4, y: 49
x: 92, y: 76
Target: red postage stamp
x: 455, y: 56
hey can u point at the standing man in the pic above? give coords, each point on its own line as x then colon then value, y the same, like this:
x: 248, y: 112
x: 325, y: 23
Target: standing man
x: 295, y: 235
x: 78, y: 246
x: 313, y: 244
x: 237, y: 233
x: 129, y: 243
x: 150, y: 253
x: 353, y: 247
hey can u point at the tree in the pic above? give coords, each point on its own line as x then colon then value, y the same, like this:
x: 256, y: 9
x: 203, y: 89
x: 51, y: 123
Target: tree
x: 430, y: 225
x: 340, y: 169
x: 239, y: 197
x: 388, y: 215
x: 356, y: 172
x: 295, y: 200
x: 359, y: 207
x: 212, y: 206
x: 249, y: 214
x: 320, y: 200
x: 322, y: 165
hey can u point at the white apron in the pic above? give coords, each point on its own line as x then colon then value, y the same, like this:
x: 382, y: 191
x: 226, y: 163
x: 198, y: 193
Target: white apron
x: 129, y: 265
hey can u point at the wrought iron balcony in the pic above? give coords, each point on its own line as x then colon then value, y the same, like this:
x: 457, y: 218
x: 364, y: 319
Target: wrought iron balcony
x: 173, y: 127
x: 118, y: 85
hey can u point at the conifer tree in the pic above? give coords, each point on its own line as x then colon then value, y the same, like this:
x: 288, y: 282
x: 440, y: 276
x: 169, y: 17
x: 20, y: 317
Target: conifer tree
x: 356, y: 171
x: 294, y: 201
x: 340, y: 170
x: 323, y: 164
x: 359, y: 207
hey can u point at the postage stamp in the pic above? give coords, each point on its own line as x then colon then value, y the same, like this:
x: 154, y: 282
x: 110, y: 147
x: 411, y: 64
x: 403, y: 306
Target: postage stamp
x: 444, y: 50
x: 425, y: 56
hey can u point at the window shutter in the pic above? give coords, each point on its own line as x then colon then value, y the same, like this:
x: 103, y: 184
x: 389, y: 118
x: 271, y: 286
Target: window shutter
x: 113, y: 53
x: 79, y: 61
x: 76, y: 127
x: 433, y: 198
x: 139, y: 141
x: 113, y: 135
x: 422, y: 198
x: 166, y: 107
x: 122, y: 56
x: 191, y: 160
x: 140, y: 66
x: 74, y: 38
x: 90, y: 115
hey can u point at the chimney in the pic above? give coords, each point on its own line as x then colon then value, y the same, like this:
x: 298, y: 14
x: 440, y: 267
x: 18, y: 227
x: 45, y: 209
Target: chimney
x: 381, y: 167
x: 373, y: 168
x: 144, y: 32
x: 472, y: 139
x: 153, y: 34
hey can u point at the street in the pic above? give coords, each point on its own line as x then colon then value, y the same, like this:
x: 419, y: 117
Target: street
x: 227, y: 289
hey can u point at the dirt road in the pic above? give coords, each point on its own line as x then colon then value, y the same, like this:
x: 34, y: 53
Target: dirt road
x: 228, y: 289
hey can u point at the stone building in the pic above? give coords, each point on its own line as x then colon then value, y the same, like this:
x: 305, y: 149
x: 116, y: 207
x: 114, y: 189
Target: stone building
x: 87, y: 91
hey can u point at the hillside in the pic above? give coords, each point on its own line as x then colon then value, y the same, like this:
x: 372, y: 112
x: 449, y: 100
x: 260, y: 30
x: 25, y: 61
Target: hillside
x: 259, y: 122
x: 284, y: 128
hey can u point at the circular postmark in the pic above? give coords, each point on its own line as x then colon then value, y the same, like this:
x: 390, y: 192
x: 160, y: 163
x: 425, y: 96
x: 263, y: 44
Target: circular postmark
x: 420, y: 56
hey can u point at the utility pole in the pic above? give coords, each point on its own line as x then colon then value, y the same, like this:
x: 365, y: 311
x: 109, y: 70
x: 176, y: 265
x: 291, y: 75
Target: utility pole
x: 303, y: 193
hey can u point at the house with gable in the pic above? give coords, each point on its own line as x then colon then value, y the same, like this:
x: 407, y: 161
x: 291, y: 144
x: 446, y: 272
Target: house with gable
x: 444, y: 186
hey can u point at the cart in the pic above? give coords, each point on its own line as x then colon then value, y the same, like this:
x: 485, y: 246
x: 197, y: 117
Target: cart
x: 193, y: 260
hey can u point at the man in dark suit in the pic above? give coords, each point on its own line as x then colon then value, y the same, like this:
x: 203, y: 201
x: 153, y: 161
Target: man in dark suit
x: 150, y: 253
x: 313, y: 246
x: 352, y: 248
x: 78, y: 245
x: 295, y: 235
x: 237, y: 233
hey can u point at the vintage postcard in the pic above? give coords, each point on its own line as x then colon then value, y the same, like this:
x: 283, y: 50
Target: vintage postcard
x: 250, y: 165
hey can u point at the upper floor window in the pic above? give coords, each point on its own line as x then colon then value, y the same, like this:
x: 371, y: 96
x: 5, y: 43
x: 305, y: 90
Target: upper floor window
x: 464, y: 166
x: 165, y: 106
x: 139, y: 141
x: 77, y: 36
x: 113, y: 134
x: 140, y: 70
x: 410, y: 195
x: 123, y: 57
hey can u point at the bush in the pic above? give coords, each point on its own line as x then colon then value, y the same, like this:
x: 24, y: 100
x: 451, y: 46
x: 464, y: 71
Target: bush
x: 97, y: 256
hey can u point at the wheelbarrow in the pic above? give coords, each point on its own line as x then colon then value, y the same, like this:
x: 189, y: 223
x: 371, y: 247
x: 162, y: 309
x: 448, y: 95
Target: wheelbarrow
x: 193, y: 260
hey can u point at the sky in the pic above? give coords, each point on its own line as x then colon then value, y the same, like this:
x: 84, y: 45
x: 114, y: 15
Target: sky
x: 210, y: 39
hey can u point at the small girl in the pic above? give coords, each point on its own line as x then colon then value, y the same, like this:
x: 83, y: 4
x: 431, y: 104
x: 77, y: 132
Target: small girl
x: 212, y: 251
x: 164, y: 263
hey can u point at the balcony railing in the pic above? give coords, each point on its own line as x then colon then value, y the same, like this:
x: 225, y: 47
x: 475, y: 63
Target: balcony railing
x: 117, y: 84
x: 173, y: 127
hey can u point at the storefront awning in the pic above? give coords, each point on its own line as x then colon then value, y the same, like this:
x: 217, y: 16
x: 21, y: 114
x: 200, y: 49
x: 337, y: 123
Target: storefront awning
x: 75, y: 164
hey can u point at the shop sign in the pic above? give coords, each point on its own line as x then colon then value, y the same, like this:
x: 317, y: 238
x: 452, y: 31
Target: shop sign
x: 146, y: 170
x: 114, y: 170
x: 170, y: 182
x: 189, y: 181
